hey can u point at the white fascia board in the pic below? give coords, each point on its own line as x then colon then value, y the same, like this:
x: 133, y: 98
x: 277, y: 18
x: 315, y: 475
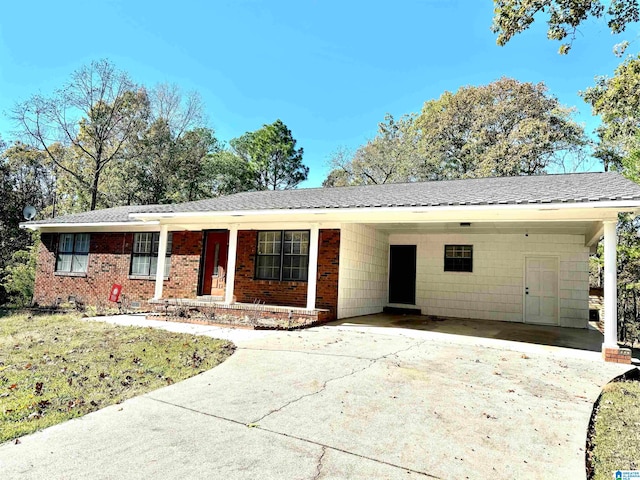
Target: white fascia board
x: 622, y: 206
x: 98, y: 225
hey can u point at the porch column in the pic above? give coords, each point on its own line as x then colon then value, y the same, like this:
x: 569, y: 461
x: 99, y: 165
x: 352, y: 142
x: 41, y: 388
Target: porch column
x: 162, y: 256
x: 312, y: 276
x: 610, y: 286
x: 231, y: 264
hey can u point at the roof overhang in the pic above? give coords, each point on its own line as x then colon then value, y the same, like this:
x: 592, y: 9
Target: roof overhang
x: 526, y: 212
x: 378, y: 214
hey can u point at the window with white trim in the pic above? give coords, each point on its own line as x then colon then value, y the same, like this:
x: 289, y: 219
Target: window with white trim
x: 73, y: 253
x: 283, y: 255
x: 144, y: 259
x: 458, y: 258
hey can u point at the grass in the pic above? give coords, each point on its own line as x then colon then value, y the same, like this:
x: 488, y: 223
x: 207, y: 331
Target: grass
x: 615, y: 435
x: 57, y: 367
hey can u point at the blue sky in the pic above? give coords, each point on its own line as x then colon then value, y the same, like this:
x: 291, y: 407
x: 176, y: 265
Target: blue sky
x: 330, y: 70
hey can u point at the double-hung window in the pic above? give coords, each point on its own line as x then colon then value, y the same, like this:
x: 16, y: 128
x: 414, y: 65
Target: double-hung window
x: 73, y: 253
x: 144, y: 259
x: 283, y: 255
x: 458, y: 258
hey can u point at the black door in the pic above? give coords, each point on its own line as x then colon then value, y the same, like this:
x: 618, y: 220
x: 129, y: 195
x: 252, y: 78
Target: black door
x: 402, y: 274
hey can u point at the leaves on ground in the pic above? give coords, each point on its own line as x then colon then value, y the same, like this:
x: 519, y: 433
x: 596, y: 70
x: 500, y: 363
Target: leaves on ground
x: 57, y: 367
x: 614, y: 441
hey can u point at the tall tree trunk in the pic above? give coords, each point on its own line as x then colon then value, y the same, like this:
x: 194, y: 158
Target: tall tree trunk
x: 94, y: 190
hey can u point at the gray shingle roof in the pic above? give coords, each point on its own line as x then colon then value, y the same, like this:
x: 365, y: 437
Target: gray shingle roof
x: 565, y: 188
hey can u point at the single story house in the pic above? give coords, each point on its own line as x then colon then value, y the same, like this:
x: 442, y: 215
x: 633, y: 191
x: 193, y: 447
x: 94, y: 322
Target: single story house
x: 514, y: 249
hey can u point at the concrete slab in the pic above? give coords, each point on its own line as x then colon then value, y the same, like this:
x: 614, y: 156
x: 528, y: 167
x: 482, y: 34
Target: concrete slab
x: 338, y: 403
x: 589, y: 339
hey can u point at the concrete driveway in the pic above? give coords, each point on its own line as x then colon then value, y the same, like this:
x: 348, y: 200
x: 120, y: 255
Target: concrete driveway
x: 339, y: 403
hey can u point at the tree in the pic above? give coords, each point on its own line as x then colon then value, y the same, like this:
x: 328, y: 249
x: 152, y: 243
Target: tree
x: 501, y: 129
x: 617, y: 102
x: 93, y: 117
x: 26, y: 178
x: 226, y: 173
x: 512, y: 17
x: 20, y: 273
x: 271, y: 155
x: 390, y: 157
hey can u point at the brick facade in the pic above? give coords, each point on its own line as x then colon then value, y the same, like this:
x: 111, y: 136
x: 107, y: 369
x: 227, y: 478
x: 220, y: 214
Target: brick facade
x: 110, y: 258
x: 109, y: 263
x: 294, y: 294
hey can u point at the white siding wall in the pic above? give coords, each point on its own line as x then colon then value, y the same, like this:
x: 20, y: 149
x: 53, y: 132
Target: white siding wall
x: 494, y: 290
x: 363, y: 271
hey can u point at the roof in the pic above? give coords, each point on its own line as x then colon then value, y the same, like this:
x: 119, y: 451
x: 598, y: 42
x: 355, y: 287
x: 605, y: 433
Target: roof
x: 588, y: 188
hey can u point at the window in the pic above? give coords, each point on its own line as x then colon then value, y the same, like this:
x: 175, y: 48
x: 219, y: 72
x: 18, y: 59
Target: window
x: 144, y: 260
x: 283, y: 255
x: 73, y: 253
x: 458, y: 258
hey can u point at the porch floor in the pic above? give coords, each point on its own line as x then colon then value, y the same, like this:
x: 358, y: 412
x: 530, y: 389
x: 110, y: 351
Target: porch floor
x: 578, y: 338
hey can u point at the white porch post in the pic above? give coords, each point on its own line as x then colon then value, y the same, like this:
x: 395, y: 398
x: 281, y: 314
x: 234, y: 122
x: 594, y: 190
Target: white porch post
x: 610, y: 286
x: 314, y: 235
x: 162, y: 255
x: 231, y: 264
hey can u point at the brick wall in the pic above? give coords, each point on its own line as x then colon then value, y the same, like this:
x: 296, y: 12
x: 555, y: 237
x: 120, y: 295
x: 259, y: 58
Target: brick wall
x: 110, y: 257
x: 109, y: 262
x: 328, y: 266
x: 271, y: 292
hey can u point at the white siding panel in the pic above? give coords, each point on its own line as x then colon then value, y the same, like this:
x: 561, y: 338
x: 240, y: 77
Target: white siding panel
x: 363, y: 271
x: 494, y: 290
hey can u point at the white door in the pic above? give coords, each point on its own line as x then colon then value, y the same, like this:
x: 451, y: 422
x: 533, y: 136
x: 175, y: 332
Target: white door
x: 541, y: 290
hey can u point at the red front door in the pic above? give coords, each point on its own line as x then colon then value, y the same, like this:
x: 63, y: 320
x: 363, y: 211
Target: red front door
x: 214, y: 263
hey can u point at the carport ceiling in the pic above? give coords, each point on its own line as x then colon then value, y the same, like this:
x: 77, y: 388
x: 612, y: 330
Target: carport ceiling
x: 575, y: 228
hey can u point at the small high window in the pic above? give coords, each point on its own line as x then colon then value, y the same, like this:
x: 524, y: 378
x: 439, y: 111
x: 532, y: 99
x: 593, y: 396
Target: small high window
x: 73, y: 253
x: 283, y: 255
x: 144, y: 259
x: 458, y: 258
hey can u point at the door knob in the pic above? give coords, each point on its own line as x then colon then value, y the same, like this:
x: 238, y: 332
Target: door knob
x: 526, y: 290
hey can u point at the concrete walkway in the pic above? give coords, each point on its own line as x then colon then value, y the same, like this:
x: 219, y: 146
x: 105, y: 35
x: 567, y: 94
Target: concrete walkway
x: 338, y: 403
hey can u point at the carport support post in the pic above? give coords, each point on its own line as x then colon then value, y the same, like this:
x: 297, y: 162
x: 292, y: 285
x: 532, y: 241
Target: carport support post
x: 312, y: 277
x: 610, y: 287
x: 231, y: 264
x: 162, y: 256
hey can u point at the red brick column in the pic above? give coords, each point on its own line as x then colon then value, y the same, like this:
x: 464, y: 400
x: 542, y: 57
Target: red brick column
x: 617, y: 355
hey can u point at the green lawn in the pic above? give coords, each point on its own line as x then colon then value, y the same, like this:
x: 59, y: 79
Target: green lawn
x: 616, y: 434
x: 57, y: 367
